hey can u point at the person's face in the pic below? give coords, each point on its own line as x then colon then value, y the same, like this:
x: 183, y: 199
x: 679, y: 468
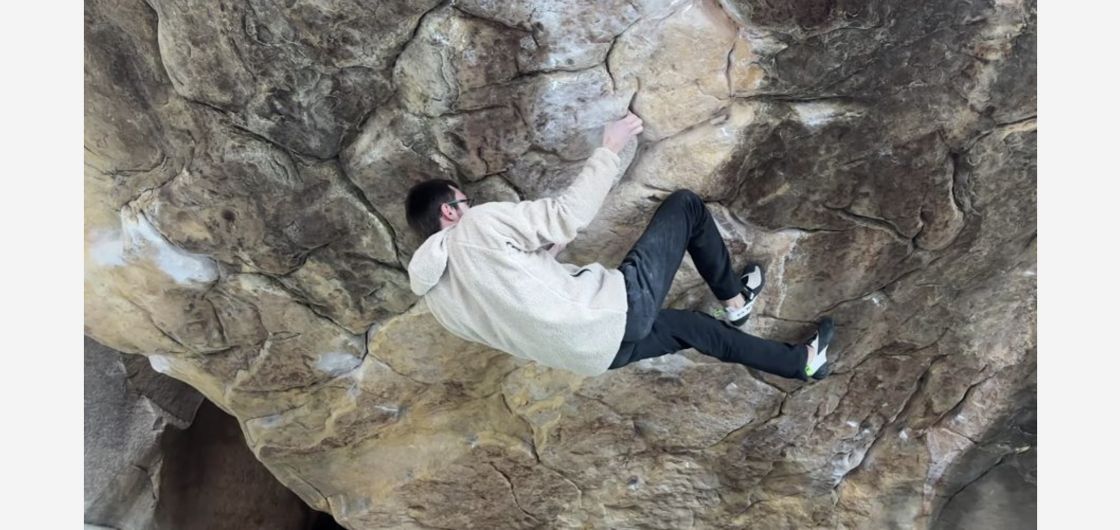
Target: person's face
x: 454, y: 210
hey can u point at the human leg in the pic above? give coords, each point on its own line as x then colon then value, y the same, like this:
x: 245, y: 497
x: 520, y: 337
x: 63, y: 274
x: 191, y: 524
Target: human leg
x: 675, y: 330
x: 682, y: 223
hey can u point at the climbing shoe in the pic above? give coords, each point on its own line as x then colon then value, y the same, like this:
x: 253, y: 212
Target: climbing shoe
x: 752, y: 278
x: 818, y: 367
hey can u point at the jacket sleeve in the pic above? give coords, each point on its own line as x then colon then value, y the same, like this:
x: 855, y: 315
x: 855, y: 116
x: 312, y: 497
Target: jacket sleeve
x: 559, y: 219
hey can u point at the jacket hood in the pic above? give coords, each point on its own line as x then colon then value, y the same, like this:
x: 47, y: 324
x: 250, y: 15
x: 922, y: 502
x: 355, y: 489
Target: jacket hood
x: 428, y: 263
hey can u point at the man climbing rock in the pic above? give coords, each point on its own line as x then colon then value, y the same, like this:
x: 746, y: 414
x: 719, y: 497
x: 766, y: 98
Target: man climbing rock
x: 489, y: 275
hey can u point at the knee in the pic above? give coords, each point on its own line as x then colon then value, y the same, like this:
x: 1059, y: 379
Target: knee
x: 685, y: 197
x: 640, y: 325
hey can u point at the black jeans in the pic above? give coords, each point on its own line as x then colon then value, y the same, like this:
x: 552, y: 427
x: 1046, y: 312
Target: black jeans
x: 683, y: 222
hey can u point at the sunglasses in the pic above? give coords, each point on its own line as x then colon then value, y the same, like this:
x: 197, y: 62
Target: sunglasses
x: 456, y: 202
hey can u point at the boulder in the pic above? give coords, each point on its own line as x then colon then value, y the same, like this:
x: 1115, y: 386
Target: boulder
x: 246, y: 165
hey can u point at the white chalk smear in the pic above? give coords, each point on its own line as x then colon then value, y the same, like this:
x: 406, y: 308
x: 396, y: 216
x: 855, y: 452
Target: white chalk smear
x: 160, y: 363
x: 336, y: 363
x: 143, y: 241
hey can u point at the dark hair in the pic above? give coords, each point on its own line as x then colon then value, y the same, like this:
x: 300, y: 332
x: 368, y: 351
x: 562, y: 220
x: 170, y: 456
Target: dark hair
x: 422, y: 206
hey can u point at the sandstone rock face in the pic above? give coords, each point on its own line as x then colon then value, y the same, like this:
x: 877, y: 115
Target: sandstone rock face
x: 246, y: 164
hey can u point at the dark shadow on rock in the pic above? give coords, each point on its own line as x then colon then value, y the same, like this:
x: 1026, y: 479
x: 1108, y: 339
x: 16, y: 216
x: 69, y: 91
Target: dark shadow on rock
x: 144, y: 471
x: 995, y: 485
x: 211, y: 481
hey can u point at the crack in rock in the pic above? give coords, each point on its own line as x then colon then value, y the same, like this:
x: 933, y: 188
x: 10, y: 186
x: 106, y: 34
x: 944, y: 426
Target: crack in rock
x: 512, y: 492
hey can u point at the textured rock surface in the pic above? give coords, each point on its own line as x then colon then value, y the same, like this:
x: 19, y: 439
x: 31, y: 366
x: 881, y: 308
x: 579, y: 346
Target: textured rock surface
x: 246, y: 162
x: 129, y: 409
x: 158, y: 456
x: 210, y: 481
x: 997, y: 479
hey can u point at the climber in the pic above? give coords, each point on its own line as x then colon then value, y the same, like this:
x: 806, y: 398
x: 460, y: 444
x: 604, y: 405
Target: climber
x: 489, y: 275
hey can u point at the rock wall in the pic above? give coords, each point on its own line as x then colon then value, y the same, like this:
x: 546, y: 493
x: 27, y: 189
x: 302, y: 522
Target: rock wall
x: 246, y: 164
x: 160, y: 457
x: 129, y: 410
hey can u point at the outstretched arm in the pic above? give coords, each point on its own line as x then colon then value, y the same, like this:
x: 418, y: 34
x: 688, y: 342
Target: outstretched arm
x: 559, y: 219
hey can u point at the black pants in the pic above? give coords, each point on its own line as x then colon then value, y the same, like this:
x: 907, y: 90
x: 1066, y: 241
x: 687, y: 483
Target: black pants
x: 683, y: 222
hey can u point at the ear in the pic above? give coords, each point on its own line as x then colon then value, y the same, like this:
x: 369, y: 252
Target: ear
x: 445, y: 211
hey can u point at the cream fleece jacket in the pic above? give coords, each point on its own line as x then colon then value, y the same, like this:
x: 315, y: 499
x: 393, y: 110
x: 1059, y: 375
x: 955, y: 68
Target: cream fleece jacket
x: 489, y: 279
